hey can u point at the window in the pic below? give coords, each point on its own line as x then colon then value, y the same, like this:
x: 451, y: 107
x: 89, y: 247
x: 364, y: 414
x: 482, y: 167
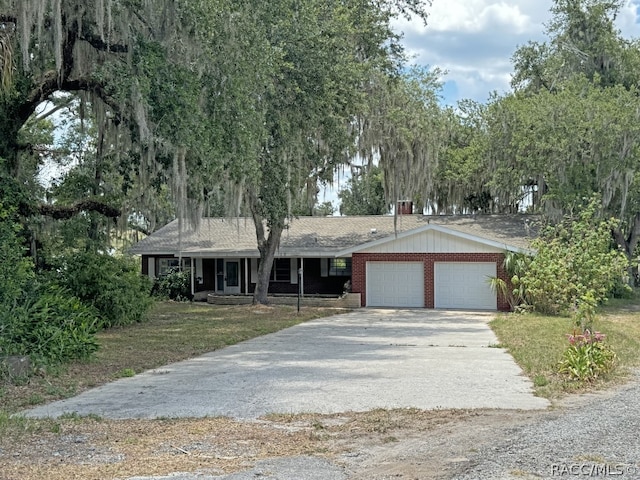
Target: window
x: 166, y: 265
x: 281, y: 271
x: 339, y: 267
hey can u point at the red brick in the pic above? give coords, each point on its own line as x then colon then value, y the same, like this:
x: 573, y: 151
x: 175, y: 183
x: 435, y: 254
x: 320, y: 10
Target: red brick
x: 359, y: 269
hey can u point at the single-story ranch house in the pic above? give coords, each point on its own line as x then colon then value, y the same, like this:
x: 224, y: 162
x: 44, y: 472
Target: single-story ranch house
x: 426, y: 261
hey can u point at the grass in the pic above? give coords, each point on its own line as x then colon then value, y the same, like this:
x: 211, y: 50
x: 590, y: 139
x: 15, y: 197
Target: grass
x: 177, y: 331
x: 537, y: 343
x: 174, y: 331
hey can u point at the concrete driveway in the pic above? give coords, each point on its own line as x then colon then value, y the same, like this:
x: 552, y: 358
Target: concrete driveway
x: 358, y: 361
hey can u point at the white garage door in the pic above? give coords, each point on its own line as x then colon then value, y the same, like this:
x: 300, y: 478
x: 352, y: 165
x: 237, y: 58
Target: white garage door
x: 395, y: 284
x: 464, y: 285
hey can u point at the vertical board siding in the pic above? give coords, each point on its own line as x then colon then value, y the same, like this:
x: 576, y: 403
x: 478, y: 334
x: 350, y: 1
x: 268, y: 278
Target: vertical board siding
x: 432, y: 241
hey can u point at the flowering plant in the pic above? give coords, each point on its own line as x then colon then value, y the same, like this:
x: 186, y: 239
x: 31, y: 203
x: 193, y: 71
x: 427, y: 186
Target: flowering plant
x: 587, y: 357
x: 586, y: 337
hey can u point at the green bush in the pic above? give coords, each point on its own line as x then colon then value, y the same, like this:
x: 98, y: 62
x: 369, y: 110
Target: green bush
x: 16, y: 270
x: 587, y: 357
x: 49, y: 325
x: 575, y: 267
x: 175, y: 285
x: 113, y: 285
x: 38, y: 318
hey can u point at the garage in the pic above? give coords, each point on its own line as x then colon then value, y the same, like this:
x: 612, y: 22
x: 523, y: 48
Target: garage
x: 464, y: 285
x: 395, y: 284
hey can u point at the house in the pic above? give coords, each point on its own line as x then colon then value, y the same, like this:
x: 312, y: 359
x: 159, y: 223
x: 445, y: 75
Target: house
x: 424, y: 261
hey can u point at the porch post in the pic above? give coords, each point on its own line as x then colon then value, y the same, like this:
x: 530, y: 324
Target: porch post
x: 302, y: 276
x: 193, y: 277
x: 247, y: 272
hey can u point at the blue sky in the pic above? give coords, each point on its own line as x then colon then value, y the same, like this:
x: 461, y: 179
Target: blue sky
x: 473, y: 40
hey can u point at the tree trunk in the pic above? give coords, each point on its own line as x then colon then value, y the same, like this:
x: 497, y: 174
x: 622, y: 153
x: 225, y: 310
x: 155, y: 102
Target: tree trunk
x: 267, y: 245
x: 629, y: 244
x: 267, y: 248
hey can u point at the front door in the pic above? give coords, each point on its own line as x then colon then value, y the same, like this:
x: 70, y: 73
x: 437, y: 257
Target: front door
x: 208, y: 274
x: 232, y: 277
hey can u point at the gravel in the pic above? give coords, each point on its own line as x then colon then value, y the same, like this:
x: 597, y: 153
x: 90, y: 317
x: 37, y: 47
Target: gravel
x: 597, y: 436
x: 587, y: 436
x: 294, y: 468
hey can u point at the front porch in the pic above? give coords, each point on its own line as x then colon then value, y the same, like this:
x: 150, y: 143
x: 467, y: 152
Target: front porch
x: 238, y: 276
x: 348, y: 300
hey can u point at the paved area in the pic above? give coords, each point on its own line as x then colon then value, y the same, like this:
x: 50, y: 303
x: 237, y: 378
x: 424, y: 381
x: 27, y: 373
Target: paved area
x: 357, y: 361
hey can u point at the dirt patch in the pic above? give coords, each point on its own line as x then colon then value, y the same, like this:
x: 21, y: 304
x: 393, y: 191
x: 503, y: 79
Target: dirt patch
x: 373, y: 445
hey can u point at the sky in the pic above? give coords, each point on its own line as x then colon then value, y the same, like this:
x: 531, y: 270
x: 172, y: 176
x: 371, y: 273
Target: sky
x: 473, y: 40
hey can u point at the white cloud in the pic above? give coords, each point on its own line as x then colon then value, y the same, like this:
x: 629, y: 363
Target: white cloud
x: 477, y: 16
x: 474, y: 40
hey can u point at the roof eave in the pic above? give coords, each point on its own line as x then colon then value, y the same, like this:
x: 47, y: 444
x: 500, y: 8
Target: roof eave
x: 440, y: 228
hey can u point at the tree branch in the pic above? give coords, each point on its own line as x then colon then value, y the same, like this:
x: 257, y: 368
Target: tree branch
x: 53, y: 110
x: 634, y: 235
x: 64, y: 212
x: 8, y: 19
x: 254, y: 207
x: 50, y: 84
x: 99, y: 44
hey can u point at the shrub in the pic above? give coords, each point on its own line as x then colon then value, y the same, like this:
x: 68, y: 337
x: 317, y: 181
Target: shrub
x: 113, y: 285
x: 16, y: 270
x: 515, y: 265
x: 49, y: 325
x: 575, y: 267
x: 587, y: 356
x: 175, y: 285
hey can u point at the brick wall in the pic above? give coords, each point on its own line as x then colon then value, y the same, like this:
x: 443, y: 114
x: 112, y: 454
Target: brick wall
x: 359, y: 270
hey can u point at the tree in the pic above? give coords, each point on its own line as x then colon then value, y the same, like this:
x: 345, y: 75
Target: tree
x: 570, y: 128
x: 403, y: 129
x: 570, y: 144
x: 132, y: 67
x: 364, y: 193
x: 583, y: 41
x: 247, y: 102
x: 328, y: 52
x: 461, y: 179
x: 167, y: 84
x: 324, y: 209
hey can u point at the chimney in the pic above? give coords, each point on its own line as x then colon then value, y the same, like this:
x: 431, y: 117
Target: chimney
x: 405, y: 207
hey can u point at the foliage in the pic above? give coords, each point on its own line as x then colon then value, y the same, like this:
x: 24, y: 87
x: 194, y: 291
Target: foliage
x: 328, y: 54
x: 50, y: 325
x: 113, y: 285
x: 460, y: 179
x: 587, y: 357
x: 175, y: 285
x: 175, y: 331
x: 570, y: 129
x: 515, y: 265
x: 583, y: 41
x: 16, y: 270
x: 538, y: 342
x: 38, y: 319
x: 364, y: 193
x: 404, y: 128
x: 324, y: 209
x: 575, y: 267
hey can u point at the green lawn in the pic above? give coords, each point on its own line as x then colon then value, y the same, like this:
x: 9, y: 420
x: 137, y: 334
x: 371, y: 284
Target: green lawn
x: 174, y: 331
x: 537, y: 343
x: 177, y: 331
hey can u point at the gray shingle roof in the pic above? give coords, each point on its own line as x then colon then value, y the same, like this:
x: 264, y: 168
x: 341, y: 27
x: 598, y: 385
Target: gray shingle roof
x: 324, y: 236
